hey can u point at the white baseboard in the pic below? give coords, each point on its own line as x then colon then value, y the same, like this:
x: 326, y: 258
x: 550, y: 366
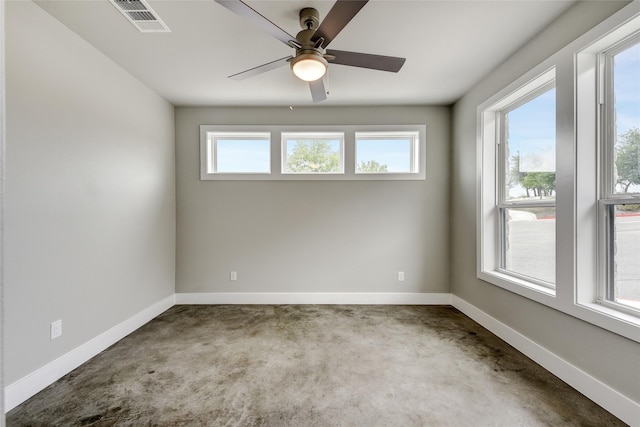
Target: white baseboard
x: 24, y: 388
x: 613, y: 401
x: 315, y: 298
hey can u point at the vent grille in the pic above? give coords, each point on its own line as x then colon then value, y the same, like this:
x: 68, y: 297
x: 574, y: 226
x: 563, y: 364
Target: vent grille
x: 140, y: 14
x: 130, y: 4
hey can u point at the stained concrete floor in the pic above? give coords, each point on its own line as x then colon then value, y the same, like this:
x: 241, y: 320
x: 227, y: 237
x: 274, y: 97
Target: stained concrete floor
x: 310, y: 365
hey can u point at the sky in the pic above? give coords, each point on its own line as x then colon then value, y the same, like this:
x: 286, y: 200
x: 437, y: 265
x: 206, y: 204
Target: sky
x: 627, y: 89
x: 532, y: 133
x: 243, y: 155
x: 626, y: 80
x: 395, y: 153
x: 253, y: 155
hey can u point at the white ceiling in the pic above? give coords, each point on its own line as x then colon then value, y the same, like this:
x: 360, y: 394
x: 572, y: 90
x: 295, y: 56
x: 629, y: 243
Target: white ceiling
x: 449, y: 46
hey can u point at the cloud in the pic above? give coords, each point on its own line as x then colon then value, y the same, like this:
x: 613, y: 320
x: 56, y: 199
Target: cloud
x: 538, y: 161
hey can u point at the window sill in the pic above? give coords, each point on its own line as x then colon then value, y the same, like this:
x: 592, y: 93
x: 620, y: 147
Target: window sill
x: 519, y: 286
x: 610, y: 315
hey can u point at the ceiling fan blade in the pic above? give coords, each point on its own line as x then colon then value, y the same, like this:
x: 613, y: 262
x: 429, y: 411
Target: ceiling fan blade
x: 318, y: 92
x: 338, y: 17
x: 245, y: 11
x: 261, y: 68
x: 366, y: 60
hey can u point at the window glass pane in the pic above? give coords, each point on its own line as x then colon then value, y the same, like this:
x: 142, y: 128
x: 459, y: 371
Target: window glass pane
x: 626, y: 83
x: 530, y: 242
x: 312, y: 153
x: 626, y: 255
x: 242, y: 155
x: 384, y: 154
x: 530, y: 149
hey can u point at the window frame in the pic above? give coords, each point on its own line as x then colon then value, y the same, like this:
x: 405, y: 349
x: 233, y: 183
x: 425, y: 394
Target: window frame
x: 211, y: 159
x: 492, y: 203
x: 414, y: 148
x: 503, y: 204
x: 590, y: 182
x: 608, y: 198
x: 276, y: 151
x: 608, y: 137
x: 284, y: 136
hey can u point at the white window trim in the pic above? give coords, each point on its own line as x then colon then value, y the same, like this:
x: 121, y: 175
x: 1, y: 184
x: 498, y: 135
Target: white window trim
x: 211, y: 160
x: 535, y: 88
x: 348, y: 161
x: 594, y: 127
x: 414, y: 149
x: 576, y: 290
x: 490, y: 192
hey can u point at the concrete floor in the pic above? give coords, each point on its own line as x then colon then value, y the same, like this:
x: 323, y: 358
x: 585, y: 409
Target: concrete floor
x: 310, y: 365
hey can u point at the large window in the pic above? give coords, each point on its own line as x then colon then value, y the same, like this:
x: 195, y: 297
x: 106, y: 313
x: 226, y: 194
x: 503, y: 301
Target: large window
x: 619, y: 199
x: 519, y: 186
x: 527, y: 177
x: 607, y: 184
x: 558, y: 205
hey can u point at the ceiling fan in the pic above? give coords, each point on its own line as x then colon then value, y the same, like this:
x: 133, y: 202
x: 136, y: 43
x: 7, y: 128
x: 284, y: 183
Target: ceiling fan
x: 312, y: 58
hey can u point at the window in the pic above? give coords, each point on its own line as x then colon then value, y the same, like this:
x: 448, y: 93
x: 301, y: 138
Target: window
x: 236, y: 152
x: 386, y: 152
x: 528, y: 182
x: 519, y: 183
x: 312, y: 153
x: 607, y: 194
x: 619, y: 198
x: 572, y: 125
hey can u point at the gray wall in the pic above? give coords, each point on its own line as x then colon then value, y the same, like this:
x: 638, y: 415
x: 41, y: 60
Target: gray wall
x: 312, y: 236
x: 90, y: 197
x: 604, y: 355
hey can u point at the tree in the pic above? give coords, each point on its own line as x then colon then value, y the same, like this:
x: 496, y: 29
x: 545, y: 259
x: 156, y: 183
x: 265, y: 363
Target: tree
x: 371, y: 167
x: 628, y: 158
x: 542, y: 183
x: 313, y: 156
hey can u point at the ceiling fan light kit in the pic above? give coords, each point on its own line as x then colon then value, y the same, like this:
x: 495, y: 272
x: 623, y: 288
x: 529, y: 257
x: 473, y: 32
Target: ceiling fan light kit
x: 311, y: 59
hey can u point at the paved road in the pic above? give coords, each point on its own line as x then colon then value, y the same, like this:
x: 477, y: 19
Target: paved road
x: 531, y: 246
x: 627, y: 257
x: 531, y: 251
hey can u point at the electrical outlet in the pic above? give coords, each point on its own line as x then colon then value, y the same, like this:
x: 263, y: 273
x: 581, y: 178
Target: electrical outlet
x: 233, y: 276
x: 56, y: 329
x: 400, y: 276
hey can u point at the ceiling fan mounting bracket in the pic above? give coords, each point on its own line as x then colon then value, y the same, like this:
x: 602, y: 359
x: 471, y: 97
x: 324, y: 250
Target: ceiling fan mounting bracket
x: 309, y: 18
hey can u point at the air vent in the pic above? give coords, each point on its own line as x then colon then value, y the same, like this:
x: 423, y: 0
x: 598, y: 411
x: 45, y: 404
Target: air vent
x: 140, y: 14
